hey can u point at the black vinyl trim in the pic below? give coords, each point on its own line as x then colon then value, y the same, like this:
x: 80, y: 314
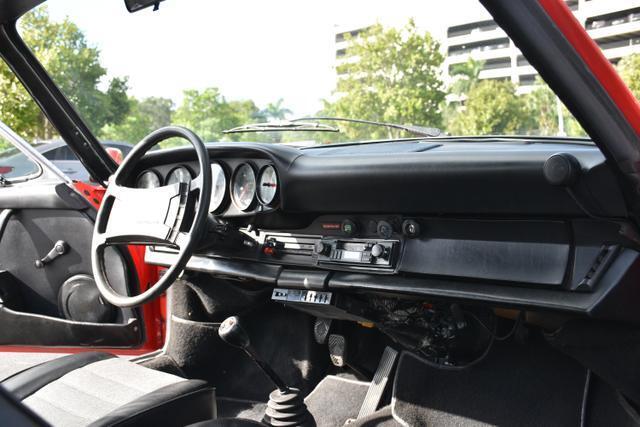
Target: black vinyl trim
x: 177, y: 404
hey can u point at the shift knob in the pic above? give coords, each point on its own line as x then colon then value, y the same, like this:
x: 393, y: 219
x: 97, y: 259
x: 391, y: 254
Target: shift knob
x: 232, y: 332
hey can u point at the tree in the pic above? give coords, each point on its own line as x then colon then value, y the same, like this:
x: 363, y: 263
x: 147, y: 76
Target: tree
x: 629, y: 70
x: 541, y: 106
x: 466, y: 75
x: 144, y: 117
x: 390, y: 75
x: 74, y: 65
x: 208, y: 113
x: 275, y: 111
x: 492, y: 107
x: 542, y: 113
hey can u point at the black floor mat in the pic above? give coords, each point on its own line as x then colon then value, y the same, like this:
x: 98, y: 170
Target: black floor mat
x: 523, y: 385
x: 335, y: 400
x: 238, y: 408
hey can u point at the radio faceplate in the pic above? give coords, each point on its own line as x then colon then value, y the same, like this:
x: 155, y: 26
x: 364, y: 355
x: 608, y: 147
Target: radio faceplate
x: 356, y: 252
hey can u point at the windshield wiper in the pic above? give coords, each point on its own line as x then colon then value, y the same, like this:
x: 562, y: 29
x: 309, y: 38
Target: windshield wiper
x: 285, y: 125
x: 416, y: 130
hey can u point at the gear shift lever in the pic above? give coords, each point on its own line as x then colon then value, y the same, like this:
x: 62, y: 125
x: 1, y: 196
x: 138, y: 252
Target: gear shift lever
x: 232, y: 332
x: 286, y: 405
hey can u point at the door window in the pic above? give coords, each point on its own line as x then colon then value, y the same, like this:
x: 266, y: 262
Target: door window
x: 14, y: 164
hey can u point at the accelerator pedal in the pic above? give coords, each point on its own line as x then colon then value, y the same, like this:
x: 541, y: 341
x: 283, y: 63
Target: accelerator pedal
x: 338, y: 350
x: 321, y: 329
x: 379, y: 382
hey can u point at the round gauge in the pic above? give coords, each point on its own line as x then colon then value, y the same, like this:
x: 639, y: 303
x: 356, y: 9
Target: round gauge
x: 148, y: 179
x: 267, y: 185
x: 219, y: 192
x: 243, y: 187
x: 179, y: 174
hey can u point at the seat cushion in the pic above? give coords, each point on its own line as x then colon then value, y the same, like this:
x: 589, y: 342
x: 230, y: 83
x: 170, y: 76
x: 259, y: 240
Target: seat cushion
x: 113, y: 391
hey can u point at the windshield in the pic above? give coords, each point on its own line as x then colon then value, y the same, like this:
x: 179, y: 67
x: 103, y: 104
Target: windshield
x: 212, y: 67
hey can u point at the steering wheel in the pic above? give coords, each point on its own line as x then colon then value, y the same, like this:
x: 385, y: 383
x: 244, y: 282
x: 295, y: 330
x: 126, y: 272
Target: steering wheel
x: 174, y: 215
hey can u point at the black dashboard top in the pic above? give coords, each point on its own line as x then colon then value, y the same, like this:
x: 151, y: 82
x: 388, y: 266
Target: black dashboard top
x: 493, y: 176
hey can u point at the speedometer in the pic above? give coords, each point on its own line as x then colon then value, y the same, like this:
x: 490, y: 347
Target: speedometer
x: 148, y: 179
x: 267, y: 185
x: 179, y: 174
x: 243, y: 186
x: 219, y: 192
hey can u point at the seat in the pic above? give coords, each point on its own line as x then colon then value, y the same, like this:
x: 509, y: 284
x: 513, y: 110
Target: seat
x: 98, y: 389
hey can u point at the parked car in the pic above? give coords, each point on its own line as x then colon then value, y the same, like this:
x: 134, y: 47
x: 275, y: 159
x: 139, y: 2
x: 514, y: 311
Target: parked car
x: 61, y: 155
x: 14, y: 164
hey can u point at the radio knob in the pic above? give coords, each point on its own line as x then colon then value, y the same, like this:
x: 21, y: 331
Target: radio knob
x: 322, y: 248
x: 378, y: 251
x: 385, y: 229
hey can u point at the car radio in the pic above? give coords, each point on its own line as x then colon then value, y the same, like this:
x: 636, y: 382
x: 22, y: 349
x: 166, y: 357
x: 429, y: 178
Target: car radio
x: 370, y: 253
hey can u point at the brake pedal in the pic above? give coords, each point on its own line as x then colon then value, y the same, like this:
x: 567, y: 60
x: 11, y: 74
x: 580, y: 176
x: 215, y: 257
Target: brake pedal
x: 321, y: 329
x: 378, y: 383
x: 338, y: 350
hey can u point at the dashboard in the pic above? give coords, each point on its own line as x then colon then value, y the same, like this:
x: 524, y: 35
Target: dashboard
x: 473, y: 219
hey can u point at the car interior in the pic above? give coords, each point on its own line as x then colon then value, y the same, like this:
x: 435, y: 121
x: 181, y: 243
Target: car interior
x: 428, y: 281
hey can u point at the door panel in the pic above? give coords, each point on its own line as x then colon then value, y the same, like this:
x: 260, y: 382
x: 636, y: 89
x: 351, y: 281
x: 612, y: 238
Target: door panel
x: 48, y: 297
x: 38, y: 309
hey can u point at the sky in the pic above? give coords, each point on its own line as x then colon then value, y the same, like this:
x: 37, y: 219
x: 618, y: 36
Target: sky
x: 249, y: 49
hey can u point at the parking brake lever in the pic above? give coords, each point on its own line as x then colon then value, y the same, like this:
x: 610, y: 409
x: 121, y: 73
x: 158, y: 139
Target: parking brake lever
x: 59, y: 248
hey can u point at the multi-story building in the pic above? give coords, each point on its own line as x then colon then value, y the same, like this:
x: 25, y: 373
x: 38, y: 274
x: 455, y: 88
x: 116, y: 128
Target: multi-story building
x: 613, y: 24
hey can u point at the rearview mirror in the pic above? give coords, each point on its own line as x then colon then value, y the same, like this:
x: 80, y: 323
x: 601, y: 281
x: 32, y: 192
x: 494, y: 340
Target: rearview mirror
x: 136, y: 5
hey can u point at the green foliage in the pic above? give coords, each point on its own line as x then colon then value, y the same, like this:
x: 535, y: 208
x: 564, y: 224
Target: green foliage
x: 208, y: 113
x: 390, y: 75
x: 492, y: 107
x: 465, y: 75
x: 143, y: 117
x: 74, y: 65
x: 275, y: 111
x: 542, y: 113
x: 629, y: 70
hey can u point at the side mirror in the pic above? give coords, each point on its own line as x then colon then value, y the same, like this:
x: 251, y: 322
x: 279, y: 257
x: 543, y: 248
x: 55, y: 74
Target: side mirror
x: 136, y: 5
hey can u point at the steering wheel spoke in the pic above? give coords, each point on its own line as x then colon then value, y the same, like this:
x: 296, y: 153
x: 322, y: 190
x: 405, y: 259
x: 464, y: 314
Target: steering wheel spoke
x: 162, y: 216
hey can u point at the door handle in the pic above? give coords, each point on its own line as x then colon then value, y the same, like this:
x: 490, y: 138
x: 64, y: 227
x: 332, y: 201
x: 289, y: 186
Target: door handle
x: 59, y: 248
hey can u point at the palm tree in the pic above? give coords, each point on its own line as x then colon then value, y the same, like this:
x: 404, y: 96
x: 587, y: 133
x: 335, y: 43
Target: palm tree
x: 468, y: 74
x: 275, y: 111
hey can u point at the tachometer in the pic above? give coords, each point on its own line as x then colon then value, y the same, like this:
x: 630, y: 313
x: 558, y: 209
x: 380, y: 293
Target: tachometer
x: 219, y: 192
x: 267, y: 185
x: 179, y: 174
x: 243, y: 186
x: 148, y: 179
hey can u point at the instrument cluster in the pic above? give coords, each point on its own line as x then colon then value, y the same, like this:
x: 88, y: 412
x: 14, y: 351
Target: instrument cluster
x: 238, y: 186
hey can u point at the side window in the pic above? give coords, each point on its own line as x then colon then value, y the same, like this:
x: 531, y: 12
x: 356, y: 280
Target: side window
x: 14, y: 164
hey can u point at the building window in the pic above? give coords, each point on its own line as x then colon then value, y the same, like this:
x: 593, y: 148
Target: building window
x: 474, y: 27
x: 616, y: 42
x: 495, y: 63
x: 340, y: 37
x: 522, y: 61
x: 528, y: 79
x: 616, y: 18
x: 481, y: 46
